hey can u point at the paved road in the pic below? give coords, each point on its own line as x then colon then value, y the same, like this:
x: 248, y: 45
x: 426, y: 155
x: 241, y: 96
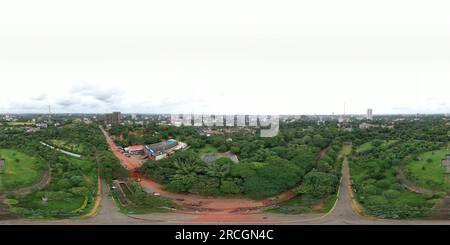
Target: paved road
x: 342, y: 214
x: 344, y: 209
x: 108, y: 214
x: 347, y: 210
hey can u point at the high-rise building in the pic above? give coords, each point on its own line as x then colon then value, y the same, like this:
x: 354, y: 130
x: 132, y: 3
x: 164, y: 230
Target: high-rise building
x: 113, y: 118
x: 117, y: 117
x: 369, y: 114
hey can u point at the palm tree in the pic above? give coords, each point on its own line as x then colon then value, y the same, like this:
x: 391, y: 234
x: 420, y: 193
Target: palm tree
x: 218, y: 170
x: 187, y: 164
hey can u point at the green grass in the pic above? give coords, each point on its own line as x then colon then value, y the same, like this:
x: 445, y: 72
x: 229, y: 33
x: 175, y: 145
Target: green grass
x: 370, y: 145
x: 20, y: 170
x: 428, y: 171
x: 329, y: 204
x: 145, y: 209
x: 372, y: 195
x: 143, y: 203
x: 32, y: 206
x: 303, y: 204
x: 66, y: 205
x: 63, y: 202
x: 207, y: 149
x: 346, y: 150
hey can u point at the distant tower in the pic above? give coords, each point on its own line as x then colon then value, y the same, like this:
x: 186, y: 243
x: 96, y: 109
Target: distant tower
x: 49, y: 113
x: 369, y: 114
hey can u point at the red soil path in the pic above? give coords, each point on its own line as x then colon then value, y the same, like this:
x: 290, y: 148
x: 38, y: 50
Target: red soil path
x: 219, y: 206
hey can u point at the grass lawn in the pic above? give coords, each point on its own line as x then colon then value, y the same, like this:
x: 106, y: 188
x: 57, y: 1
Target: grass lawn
x: 207, y: 149
x: 32, y: 206
x: 346, y: 150
x: 70, y: 193
x: 329, y: 203
x: 66, y: 205
x: 143, y: 203
x: 371, y: 144
x: 386, y: 197
x: 428, y: 171
x: 20, y: 170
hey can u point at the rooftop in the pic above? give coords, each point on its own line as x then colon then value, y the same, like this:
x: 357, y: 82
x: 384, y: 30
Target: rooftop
x: 162, y: 146
x: 212, y: 157
x: 136, y: 148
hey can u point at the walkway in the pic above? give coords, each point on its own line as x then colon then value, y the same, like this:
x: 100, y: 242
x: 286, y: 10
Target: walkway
x: 62, y: 151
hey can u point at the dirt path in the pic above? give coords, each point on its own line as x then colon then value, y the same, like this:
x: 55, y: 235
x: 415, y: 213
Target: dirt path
x: 442, y: 210
x: 195, y: 203
x: 198, y: 202
x: 98, y: 200
x: 98, y: 197
x: 409, y: 184
x: 43, y: 182
x: 4, y: 213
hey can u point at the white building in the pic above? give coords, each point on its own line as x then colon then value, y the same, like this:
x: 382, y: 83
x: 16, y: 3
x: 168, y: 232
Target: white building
x: 369, y: 114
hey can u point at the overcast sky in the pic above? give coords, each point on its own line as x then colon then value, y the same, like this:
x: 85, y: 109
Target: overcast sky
x: 234, y: 56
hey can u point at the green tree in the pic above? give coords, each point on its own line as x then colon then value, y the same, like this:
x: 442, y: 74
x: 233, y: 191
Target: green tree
x: 229, y: 187
x: 318, y: 184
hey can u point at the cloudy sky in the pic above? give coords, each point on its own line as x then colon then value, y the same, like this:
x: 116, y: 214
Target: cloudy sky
x: 234, y: 56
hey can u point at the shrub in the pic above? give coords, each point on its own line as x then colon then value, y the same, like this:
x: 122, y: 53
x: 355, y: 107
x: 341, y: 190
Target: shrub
x: 383, y: 184
x: 391, y: 194
x: 319, y: 184
x: 229, y: 187
x: 370, y: 190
